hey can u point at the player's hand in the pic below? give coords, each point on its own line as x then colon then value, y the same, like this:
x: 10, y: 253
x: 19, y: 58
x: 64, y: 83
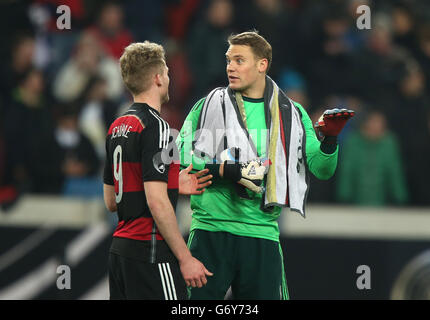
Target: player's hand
x: 332, y: 121
x: 250, y: 174
x: 194, y: 272
x: 193, y: 183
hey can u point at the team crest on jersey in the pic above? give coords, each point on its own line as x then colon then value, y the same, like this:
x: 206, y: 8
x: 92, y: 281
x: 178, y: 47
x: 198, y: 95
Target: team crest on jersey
x: 161, y: 168
x: 158, y: 163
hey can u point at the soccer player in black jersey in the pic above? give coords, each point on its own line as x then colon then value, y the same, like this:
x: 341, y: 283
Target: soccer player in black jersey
x: 148, y: 257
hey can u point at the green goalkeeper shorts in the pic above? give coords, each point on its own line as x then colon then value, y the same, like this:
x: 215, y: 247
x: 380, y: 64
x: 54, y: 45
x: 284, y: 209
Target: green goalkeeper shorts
x: 252, y: 267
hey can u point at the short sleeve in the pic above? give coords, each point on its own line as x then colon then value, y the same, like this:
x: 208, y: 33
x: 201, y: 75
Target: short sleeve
x: 154, y: 140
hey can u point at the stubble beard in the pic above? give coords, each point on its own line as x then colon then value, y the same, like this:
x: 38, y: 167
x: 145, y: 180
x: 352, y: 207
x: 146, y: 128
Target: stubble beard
x: 165, y: 98
x: 241, y: 90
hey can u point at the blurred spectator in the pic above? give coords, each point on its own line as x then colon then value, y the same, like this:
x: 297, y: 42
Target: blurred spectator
x: 13, y: 21
x: 370, y: 171
x: 48, y: 9
x: 355, y: 38
x: 329, y: 70
x: 179, y: 72
x: 109, y: 31
x: 378, y: 68
x: 40, y: 18
x: 293, y: 84
x: 403, y: 21
x: 20, y: 59
x: 87, y: 61
x: 422, y: 52
x: 274, y: 22
x: 179, y: 17
x: 68, y: 155
x: 96, y: 113
x: 53, y: 45
x: 29, y: 124
x: 411, y: 123
x: 207, y: 47
x: 180, y: 78
x: 146, y: 19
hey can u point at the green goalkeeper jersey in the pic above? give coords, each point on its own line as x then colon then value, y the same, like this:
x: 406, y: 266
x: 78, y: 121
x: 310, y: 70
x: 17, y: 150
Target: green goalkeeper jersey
x: 219, y: 208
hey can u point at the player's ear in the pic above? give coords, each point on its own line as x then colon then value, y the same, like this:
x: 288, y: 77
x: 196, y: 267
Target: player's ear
x: 262, y: 65
x: 157, y: 80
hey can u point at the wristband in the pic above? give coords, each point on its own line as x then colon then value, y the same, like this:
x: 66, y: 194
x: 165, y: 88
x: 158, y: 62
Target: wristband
x: 329, y: 144
x: 232, y: 171
x: 213, y: 169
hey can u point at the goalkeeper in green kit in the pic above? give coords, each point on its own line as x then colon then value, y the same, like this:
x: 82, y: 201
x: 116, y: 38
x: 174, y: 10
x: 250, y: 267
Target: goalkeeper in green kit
x: 260, y: 146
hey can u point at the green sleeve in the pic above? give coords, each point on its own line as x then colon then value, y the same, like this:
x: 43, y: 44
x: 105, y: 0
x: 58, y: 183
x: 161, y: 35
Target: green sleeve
x: 321, y: 165
x: 186, y: 138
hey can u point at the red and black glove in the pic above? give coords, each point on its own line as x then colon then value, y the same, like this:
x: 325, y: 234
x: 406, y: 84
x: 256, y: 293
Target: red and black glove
x: 330, y: 124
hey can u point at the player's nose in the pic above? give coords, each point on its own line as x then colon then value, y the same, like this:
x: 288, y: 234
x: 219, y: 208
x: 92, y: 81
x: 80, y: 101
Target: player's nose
x: 230, y: 68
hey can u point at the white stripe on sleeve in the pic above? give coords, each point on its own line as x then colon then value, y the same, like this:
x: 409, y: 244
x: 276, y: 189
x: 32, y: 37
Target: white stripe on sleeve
x: 160, y: 128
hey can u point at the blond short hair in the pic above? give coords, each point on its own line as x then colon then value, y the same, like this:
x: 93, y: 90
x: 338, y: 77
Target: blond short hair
x: 139, y: 62
x: 259, y: 46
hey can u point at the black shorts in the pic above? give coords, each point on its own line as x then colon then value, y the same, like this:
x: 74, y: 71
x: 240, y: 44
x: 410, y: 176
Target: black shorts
x: 132, y: 277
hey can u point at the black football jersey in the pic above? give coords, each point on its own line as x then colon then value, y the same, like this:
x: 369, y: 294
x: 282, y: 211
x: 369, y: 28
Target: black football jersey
x: 135, y: 145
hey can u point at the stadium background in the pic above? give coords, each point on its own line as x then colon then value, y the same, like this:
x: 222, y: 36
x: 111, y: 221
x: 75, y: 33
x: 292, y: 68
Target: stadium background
x: 60, y: 89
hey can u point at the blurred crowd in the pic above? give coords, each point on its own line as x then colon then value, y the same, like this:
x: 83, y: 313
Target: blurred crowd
x: 61, y: 89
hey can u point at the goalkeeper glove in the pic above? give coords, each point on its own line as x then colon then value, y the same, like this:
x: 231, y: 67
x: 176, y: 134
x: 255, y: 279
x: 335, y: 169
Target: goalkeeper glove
x: 331, y: 123
x: 249, y: 174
